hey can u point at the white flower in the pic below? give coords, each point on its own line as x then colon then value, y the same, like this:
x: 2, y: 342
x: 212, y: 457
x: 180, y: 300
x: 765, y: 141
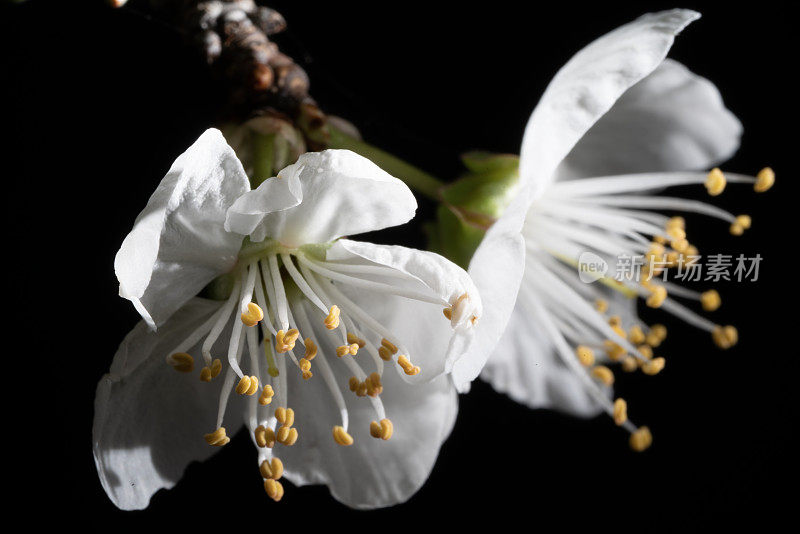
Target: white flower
x: 617, y: 108
x: 333, y: 315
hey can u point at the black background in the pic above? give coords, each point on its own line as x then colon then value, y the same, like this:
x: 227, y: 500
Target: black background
x: 100, y: 103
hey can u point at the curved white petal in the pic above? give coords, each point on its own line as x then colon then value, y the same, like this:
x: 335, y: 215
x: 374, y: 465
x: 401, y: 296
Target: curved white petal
x: 434, y: 342
x: 178, y: 243
x: 589, y: 84
x: 496, y: 268
x: 149, y: 419
x: 371, y: 473
x: 273, y: 195
x: 526, y: 367
x: 672, y: 120
x: 341, y: 193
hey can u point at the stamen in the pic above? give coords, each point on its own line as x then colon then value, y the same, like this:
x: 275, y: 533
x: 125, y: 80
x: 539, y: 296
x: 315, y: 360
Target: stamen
x: 603, y: 374
x: 408, y: 368
x: 641, y: 439
x: 208, y: 373
x: 265, y: 437
x: 765, y: 179
x: 274, y: 489
x: 654, y: 366
x: 620, y: 411
x: 715, y: 182
x: 742, y: 223
x: 253, y: 315
x: 382, y: 430
x: 248, y: 385
x: 657, y: 297
x: 725, y: 336
x: 181, y: 361
x: 311, y: 349
x: 341, y: 436
x: 332, y: 320
x: 217, y: 438
x: 271, y: 470
x: 266, y: 395
x: 585, y: 355
x: 710, y: 300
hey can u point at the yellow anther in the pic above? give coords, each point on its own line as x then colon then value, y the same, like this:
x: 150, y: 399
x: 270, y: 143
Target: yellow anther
x: 209, y: 373
x: 613, y: 350
x: 354, y: 382
x: 305, y: 365
x: 585, y: 355
x: 646, y: 351
x: 181, y: 361
x: 373, y: 385
x: 659, y: 330
x: 342, y: 350
x: 630, y: 364
x: 448, y: 313
x: 660, y: 239
x: 710, y: 300
x: 764, y: 180
x: 680, y: 245
x: 603, y: 374
x: 725, y: 336
x: 715, y: 182
x: 248, y: 385
x: 253, y: 314
x: 389, y: 345
x: 408, y: 367
x: 307, y: 374
x: 285, y: 341
x: 274, y: 489
x: 352, y: 338
x: 217, y: 438
x: 341, y: 436
x: 601, y: 305
x: 266, y: 395
x: 271, y: 470
x: 676, y: 232
x: 285, y: 416
x: 286, y: 435
x: 676, y: 222
x: 619, y: 331
x: 742, y: 223
x: 311, y: 349
x: 291, y: 337
x: 691, y: 250
x: 614, y: 320
x: 641, y: 439
x: 382, y: 430
x: 260, y: 433
x: 657, y: 297
x: 362, y: 389
x: 656, y: 250
x: 332, y: 320
x: 385, y: 354
x: 636, y: 335
x: 620, y: 411
x: 654, y: 366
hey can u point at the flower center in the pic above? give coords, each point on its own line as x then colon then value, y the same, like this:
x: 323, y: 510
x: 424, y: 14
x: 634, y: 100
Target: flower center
x: 604, y: 216
x: 291, y: 297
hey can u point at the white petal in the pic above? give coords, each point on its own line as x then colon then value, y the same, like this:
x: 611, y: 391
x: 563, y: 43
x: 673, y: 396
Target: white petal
x: 342, y: 193
x: 496, y: 269
x: 273, y: 195
x: 672, y: 120
x: 589, y: 84
x: 149, y: 419
x: 526, y: 367
x: 371, y: 473
x: 178, y: 243
x: 433, y: 342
